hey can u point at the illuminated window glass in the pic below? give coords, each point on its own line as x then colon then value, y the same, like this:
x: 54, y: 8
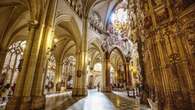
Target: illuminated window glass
x: 12, y: 61
x: 120, y: 19
x: 50, y: 74
x: 68, y: 70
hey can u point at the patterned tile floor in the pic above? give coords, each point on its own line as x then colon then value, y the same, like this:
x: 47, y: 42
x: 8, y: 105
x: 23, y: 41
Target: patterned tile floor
x: 105, y: 101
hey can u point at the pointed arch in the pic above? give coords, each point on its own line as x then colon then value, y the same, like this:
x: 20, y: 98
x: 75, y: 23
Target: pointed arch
x: 120, y: 53
x: 73, y: 26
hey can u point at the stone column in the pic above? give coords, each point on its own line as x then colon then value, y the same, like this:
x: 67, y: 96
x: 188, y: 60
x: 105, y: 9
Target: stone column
x: 58, y: 76
x: 77, y: 74
x: 58, y: 72
x: 37, y: 94
x: 117, y: 74
x: 38, y: 97
x: 106, y: 87
x: 18, y: 98
x: 29, y: 80
x: 79, y: 88
x: 128, y: 74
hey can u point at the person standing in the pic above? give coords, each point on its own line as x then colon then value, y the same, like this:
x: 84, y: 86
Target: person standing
x: 98, y: 86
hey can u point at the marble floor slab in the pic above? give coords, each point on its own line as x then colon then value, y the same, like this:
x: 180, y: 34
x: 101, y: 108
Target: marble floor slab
x: 105, y: 101
x: 94, y: 101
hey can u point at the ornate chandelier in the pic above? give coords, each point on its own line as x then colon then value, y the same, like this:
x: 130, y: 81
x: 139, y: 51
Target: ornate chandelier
x: 120, y: 21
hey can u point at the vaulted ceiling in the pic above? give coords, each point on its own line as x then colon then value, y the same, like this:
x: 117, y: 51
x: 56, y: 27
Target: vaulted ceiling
x: 14, y: 17
x: 16, y: 14
x: 104, y: 9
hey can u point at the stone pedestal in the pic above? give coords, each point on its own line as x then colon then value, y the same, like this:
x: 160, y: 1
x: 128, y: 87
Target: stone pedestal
x: 13, y: 103
x: 19, y: 103
x: 25, y: 103
x: 106, y: 89
x: 193, y: 99
x: 79, y: 92
x: 38, y: 102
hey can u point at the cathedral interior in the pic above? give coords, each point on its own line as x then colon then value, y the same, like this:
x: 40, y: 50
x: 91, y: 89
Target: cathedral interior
x: 97, y: 54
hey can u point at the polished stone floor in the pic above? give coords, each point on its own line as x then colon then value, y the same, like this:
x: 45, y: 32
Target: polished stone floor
x: 105, y: 101
x: 93, y: 101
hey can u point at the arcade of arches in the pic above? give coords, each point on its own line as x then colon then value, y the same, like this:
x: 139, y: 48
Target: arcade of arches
x: 97, y: 54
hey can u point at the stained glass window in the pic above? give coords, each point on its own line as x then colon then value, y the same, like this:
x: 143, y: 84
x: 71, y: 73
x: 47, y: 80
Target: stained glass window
x: 98, y: 67
x: 68, y: 70
x: 12, y: 61
x: 10, y: 71
x: 50, y: 74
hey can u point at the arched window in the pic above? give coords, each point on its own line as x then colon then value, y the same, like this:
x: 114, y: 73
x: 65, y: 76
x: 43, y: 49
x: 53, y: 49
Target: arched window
x: 50, y: 74
x: 11, y: 68
x: 12, y: 61
x: 68, y: 70
x: 98, y: 67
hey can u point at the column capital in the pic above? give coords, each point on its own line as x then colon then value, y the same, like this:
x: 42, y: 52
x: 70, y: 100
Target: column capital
x: 33, y: 24
x: 85, y: 17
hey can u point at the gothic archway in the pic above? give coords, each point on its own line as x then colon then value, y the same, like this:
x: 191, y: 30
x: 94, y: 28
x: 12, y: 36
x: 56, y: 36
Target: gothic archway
x: 68, y: 71
x: 117, y: 69
x: 11, y: 68
x: 50, y: 75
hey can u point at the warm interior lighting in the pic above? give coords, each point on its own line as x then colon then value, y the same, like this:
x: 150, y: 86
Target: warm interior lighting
x: 119, y: 20
x: 55, y: 40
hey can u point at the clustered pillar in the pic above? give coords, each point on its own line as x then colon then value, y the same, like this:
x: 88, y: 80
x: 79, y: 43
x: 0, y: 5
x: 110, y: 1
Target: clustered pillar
x: 79, y: 87
x: 106, y: 86
x: 30, y: 84
x: 128, y: 74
